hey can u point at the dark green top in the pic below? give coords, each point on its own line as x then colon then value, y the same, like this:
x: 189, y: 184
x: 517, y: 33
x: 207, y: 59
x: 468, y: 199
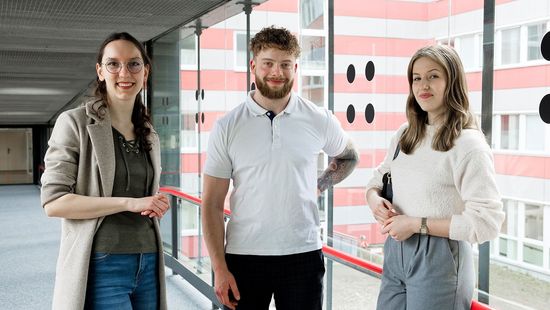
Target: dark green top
x: 128, y: 232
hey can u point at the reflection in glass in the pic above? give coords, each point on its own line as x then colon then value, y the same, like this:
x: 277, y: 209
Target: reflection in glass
x: 311, y: 14
x: 313, y: 52
x: 188, y: 55
x: 313, y: 89
x: 509, y: 132
x: 191, y: 245
x: 534, y: 37
x: 508, y: 248
x: 240, y: 50
x: 166, y: 105
x: 534, y: 221
x: 188, y: 131
x: 532, y: 254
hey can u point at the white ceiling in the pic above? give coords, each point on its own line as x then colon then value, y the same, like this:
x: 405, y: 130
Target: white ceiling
x: 48, y: 47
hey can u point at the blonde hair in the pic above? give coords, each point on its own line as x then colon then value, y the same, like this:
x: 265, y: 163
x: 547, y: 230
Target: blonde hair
x: 456, y: 117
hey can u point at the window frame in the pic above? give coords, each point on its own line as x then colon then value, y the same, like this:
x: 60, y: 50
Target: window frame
x: 521, y: 240
x: 526, y: 26
x: 522, y: 134
x: 300, y: 15
x: 478, y: 44
x: 523, y: 45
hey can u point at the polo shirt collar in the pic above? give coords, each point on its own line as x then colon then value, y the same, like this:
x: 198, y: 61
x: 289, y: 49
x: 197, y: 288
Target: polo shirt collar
x: 257, y: 110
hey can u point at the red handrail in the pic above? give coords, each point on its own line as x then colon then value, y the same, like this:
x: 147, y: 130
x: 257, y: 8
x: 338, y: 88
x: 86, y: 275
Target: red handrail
x: 476, y: 305
x: 352, y: 259
x: 174, y: 191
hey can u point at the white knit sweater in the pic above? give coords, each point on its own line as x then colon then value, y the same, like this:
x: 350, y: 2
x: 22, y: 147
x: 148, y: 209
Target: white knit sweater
x: 458, y: 184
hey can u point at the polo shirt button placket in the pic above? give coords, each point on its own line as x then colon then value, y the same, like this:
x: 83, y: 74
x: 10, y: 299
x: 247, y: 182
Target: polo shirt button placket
x: 276, y: 133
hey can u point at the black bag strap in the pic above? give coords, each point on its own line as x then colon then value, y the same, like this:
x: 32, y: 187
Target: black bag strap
x: 397, y: 148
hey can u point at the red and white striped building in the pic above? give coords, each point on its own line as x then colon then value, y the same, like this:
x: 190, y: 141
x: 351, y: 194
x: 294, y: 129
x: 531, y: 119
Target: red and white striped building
x: 387, y: 33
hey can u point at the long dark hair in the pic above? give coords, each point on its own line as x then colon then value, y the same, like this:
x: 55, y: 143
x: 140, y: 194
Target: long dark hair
x: 140, y: 115
x: 457, y: 115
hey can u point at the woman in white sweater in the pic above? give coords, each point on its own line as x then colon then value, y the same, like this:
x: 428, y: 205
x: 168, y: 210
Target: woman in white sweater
x: 445, y: 194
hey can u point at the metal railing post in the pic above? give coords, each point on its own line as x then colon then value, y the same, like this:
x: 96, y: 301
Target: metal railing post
x: 199, y: 245
x: 174, y: 212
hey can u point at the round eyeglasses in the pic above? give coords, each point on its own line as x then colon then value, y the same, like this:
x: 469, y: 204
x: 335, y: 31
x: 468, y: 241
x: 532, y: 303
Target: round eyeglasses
x: 132, y: 66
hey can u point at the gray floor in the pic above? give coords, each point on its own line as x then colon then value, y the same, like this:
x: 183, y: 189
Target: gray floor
x: 29, y: 242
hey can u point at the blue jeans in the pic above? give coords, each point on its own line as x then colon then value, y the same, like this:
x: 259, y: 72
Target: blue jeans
x: 123, y: 281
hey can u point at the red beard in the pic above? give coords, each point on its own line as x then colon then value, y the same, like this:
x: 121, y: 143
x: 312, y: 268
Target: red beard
x: 268, y: 92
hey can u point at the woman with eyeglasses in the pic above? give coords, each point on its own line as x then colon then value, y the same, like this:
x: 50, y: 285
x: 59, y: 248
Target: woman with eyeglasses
x: 102, y: 177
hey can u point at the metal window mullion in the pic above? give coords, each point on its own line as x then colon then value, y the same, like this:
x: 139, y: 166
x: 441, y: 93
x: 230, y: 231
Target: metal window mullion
x: 198, y: 32
x: 520, y: 231
x: 149, y: 90
x: 247, y: 10
x: 330, y: 193
x: 486, y: 125
x: 523, y: 44
x: 522, y: 129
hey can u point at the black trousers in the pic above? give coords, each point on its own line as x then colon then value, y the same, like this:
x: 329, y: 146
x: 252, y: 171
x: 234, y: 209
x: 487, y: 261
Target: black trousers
x: 295, y: 281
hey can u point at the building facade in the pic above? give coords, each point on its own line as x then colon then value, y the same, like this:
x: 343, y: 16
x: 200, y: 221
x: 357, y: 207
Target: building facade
x: 373, y: 43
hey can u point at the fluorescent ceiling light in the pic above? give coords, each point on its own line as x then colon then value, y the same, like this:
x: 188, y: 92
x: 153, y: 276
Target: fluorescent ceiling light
x: 23, y: 113
x: 31, y: 91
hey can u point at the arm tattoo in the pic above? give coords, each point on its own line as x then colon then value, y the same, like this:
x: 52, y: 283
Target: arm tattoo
x: 339, y: 168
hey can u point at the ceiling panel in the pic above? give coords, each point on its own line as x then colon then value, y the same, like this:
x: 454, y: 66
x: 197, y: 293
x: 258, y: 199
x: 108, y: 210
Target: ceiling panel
x: 47, y: 47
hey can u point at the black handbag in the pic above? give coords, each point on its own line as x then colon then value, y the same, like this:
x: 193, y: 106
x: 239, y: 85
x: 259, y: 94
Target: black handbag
x: 387, y: 190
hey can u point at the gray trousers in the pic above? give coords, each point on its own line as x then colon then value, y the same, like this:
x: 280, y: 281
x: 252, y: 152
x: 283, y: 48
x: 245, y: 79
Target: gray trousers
x: 426, y: 272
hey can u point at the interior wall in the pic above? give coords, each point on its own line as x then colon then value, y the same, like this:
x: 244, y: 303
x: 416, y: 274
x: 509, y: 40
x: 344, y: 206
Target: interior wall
x: 15, y: 158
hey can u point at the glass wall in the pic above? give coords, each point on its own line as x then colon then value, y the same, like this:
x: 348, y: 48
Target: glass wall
x: 165, y: 110
x: 522, y: 152
x: 165, y: 106
x: 373, y: 42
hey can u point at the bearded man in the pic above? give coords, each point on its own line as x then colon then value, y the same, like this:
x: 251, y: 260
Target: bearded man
x: 269, y: 146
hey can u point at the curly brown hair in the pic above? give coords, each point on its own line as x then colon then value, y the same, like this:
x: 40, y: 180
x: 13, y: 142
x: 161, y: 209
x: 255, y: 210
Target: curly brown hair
x: 140, y: 115
x: 273, y: 37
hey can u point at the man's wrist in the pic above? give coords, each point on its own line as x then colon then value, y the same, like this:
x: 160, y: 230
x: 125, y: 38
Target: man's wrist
x: 322, y: 184
x: 219, y: 266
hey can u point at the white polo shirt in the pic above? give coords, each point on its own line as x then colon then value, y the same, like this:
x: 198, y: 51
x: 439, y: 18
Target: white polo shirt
x: 273, y: 165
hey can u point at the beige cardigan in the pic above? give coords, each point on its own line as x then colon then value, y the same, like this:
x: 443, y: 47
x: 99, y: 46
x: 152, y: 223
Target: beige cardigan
x: 81, y: 160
